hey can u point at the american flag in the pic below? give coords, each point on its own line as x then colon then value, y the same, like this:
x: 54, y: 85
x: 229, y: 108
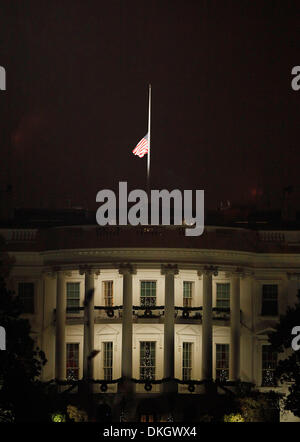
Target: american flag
x: 142, y: 147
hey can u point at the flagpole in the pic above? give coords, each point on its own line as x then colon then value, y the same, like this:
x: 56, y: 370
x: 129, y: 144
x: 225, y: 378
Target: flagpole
x: 149, y: 139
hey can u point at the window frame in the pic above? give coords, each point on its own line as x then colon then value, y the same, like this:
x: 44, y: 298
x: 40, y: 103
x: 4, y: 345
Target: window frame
x: 104, y: 360
x: 108, y: 297
x: 262, y: 369
x: 153, y: 366
x: 190, y: 365
x: 218, y: 369
x: 143, y: 303
x: 78, y: 360
x: 267, y: 311
x: 146, y: 417
x: 190, y: 298
x: 225, y: 299
x: 73, y: 309
x: 31, y: 283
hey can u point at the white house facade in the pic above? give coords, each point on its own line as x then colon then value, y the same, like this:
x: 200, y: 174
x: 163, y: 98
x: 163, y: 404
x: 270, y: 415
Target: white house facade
x: 166, y: 314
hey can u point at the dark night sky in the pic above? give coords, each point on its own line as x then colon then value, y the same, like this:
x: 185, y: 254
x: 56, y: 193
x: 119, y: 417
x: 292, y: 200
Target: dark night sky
x: 224, y: 116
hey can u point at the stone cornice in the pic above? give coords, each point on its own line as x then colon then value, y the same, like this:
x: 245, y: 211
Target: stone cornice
x: 169, y: 269
x: 85, y: 269
x: 239, y: 272
x: 153, y: 258
x: 127, y: 268
x: 209, y: 270
x: 293, y: 276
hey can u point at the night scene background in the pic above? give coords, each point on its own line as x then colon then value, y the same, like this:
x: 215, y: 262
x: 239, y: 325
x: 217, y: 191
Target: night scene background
x: 224, y: 116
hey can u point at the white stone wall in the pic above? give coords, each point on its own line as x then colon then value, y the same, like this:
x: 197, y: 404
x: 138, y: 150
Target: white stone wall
x: 254, y: 327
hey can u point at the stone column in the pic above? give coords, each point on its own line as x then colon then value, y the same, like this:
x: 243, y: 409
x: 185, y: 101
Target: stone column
x: 207, y: 322
x: 234, y: 354
x: 60, y: 331
x: 127, y: 271
x: 89, y: 320
x: 169, y: 271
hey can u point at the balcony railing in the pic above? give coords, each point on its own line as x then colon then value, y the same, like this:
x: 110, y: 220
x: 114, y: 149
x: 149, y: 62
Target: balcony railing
x: 153, y: 311
x: 188, y: 312
x: 109, y: 312
x: 221, y: 313
x: 103, y: 312
x: 152, y: 385
x: 74, y: 311
x: 143, y: 311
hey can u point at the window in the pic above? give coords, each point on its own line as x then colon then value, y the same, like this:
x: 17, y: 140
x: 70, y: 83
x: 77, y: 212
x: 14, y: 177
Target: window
x: 72, y: 362
x: 269, y: 362
x: 187, y: 293
x: 187, y: 361
x: 147, y: 418
x: 222, y: 362
x: 148, y: 293
x: 269, y: 300
x: 26, y: 294
x: 108, y: 293
x: 147, y: 360
x: 223, y: 295
x: 108, y: 360
x: 73, y: 296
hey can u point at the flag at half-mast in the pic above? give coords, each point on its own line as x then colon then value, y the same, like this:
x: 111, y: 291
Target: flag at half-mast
x: 142, y: 147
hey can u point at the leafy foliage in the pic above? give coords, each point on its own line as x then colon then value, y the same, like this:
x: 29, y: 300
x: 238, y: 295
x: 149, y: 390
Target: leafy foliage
x: 259, y: 407
x: 288, y: 369
x: 76, y: 414
x: 20, y: 364
x: 22, y: 396
x: 233, y: 417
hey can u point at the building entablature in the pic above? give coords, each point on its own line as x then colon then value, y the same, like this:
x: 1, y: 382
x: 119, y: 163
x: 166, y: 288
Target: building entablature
x: 93, y: 236
x: 248, y: 264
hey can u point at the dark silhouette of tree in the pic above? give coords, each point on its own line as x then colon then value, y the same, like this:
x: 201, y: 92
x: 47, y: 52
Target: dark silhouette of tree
x: 288, y: 368
x: 20, y: 364
x: 22, y: 396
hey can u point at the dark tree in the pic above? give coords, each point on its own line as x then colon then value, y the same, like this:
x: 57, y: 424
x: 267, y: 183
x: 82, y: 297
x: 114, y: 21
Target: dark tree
x: 22, y: 395
x: 288, y: 369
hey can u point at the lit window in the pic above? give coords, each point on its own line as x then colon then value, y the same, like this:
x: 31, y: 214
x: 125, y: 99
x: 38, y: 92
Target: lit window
x: 72, y: 362
x: 108, y: 293
x: 108, y: 360
x: 26, y: 294
x: 187, y: 361
x: 269, y: 300
x: 147, y: 360
x: 223, y: 295
x: 73, y: 296
x: 187, y: 293
x: 269, y: 362
x: 147, y: 418
x: 148, y: 293
x: 222, y: 362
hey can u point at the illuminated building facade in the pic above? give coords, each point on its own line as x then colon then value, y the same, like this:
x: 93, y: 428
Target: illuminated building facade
x: 167, y: 313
